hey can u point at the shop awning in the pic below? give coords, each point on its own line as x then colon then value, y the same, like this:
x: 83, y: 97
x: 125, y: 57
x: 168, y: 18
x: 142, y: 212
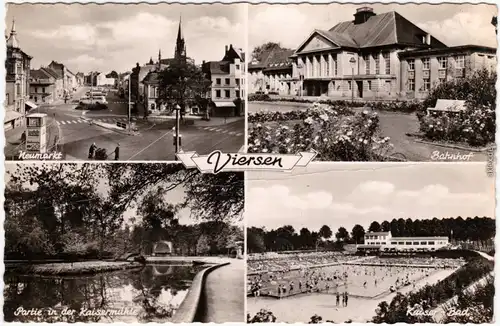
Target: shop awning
x: 30, y: 104
x: 225, y: 104
x: 11, y: 115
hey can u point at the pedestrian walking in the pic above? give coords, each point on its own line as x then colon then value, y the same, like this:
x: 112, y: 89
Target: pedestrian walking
x: 346, y: 298
x: 117, y: 152
x: 338, y: 299
x: 92, y: 150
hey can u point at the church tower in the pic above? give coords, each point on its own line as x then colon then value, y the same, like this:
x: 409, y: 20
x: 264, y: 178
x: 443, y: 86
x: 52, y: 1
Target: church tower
x: 158, y: 67
x: 180, y: 45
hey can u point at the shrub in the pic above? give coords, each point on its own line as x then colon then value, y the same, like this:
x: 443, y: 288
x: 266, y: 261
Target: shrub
x: 335, y: 137
x: 474, y: 126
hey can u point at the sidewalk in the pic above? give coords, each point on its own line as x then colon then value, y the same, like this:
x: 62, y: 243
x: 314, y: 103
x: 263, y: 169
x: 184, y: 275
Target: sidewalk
x: 217, y: 121
x: 224, y: 294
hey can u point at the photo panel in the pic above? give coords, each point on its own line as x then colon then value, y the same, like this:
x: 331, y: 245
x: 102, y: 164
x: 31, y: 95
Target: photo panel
x: 373, y: 82
x: 133, y: 243
x: 135, y: 82
x: 371, y: 243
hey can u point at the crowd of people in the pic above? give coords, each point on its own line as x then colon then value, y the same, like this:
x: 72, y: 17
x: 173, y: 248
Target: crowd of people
x: 369, y: 277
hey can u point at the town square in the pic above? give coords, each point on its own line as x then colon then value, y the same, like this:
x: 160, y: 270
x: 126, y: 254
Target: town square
x: 382, y: 82
x: 111, y: 89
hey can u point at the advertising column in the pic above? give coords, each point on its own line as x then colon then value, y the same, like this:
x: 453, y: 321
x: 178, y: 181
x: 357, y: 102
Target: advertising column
x: 36, y: 135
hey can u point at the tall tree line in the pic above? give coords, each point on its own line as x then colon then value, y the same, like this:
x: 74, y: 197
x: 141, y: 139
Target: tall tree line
x: 477, y: 229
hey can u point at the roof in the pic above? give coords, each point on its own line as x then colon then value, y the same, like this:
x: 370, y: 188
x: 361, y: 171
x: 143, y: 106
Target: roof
x: 40, y: 74
x: 419, y: 238
x: 218, y: 67
x: 152, y: 77
x: 52, y: 72
x: 273, y: 59
x: 452, y: 49
x: 384, y: 29
x: 377, y: 233
x: 144, y: 70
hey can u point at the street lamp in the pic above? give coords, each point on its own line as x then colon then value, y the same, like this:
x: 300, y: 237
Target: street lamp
x: 352, y: 61
x: 177, y: 109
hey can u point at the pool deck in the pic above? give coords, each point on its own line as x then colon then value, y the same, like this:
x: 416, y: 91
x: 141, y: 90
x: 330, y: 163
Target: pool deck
x: 223, y: 297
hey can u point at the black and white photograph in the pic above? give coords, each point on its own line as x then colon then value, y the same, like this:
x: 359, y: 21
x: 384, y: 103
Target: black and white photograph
x: 114, y: 81
x: 132, y: 243
x: 373, y: 82
x: 372, y: 243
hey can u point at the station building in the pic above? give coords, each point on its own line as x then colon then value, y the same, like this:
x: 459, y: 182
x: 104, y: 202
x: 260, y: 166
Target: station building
x: 372, y: 57
x: 385, y: 242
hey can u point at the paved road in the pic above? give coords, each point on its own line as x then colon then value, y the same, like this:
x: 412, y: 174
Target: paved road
x: 154, y: 142
x: 225, y: 294
x: 393, y: 125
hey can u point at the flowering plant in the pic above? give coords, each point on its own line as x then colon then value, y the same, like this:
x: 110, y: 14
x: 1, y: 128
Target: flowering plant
x: 334, y: 136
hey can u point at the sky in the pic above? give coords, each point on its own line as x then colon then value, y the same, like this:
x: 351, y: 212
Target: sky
x: 290, y: 25
x: 345, y: 194
x: 110, y: 37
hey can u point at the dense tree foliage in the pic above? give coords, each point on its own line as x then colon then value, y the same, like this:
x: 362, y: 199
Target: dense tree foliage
x: 258, y: 51
x: 86, y: 210
x: 476, y: 230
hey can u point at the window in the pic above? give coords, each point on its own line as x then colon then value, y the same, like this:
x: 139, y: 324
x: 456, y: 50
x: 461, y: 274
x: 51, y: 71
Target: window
x: 350, y: 86
x: 411, y: 84
x: 427, y: 84
x: 237, y: 67
x: 408, y: 243
x: 416, y: 243
x: 227, y: 81
x: 18, y: 89
x: 377, y: 64
x: 401, y: 243
x: 237, y: 81
x: 370, y: 88
x: 217, y: 81
x: 442, y: 62
x: 237, y: 93
x: 387, y: 61
x: 227, y: 93
x: 394, y: 243
x: 423, y: 243
x: 426, y: 63
x: 460, y: 61
x: 335, y: 65
x: 327, y: 63
x: 217, y: 93
x: 366, y: 59
x: 411, y: 64
x: 442, y: 79
x: 43, y: 90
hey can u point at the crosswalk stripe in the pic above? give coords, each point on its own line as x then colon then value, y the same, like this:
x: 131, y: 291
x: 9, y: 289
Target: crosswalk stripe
x: 232, y: 133
x: 239, y: 134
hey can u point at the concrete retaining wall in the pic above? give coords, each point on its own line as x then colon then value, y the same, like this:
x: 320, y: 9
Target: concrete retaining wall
x: 189, y: 310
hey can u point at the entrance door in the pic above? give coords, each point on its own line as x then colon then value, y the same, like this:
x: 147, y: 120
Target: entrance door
x: 359, y: 85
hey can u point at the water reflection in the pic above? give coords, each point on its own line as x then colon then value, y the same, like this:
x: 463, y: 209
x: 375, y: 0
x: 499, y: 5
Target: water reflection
x: 150, y: 294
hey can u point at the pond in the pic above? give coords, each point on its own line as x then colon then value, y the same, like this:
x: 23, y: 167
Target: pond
x: 149, y: 294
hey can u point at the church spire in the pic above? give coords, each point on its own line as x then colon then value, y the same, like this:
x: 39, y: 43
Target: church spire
x: 180, y: 45
x: 159, y: 60
x: 12, y: 40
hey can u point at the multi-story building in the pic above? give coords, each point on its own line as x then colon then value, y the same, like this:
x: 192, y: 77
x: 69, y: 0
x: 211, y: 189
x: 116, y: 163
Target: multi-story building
x: 272, y: 74
x: 385, y: 242
x: 17, y: 66
x: 42, y: 87
x: 69, y: 79
x: 80, y: 79
x: 372, y: 57
x: 228, y: 82
x: 421, y: 70
x: 59, y: 81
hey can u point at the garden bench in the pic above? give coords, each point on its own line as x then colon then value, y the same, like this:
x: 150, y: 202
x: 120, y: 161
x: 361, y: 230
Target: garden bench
x: 447, y: 106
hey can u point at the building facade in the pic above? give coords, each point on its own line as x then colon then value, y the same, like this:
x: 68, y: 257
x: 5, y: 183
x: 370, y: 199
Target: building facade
x: 68, y: 78
x: 385, y: 242
x: 58, y: 85
x: 372, y: 57
x: 228, y: 82
x: 17, y: 66
x: 42, y: 87
x: 273, y: 74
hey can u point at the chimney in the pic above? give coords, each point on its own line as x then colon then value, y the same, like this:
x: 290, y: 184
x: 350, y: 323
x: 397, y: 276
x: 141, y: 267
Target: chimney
x: 226, y: 48
x: 428, y: 39
x: 363, y: 14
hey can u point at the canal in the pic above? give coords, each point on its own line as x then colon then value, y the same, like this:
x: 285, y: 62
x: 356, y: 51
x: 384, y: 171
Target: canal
x: 146, y: 294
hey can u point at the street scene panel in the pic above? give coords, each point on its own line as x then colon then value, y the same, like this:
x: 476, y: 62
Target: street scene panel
x: 123, y: 82
x: 383, y: 243
x: 373, y: 82
x: 132, y: 243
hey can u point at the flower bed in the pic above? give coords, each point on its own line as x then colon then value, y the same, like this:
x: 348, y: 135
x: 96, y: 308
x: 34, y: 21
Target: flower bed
x: 268, y: 116
x: 476, y: 125
x: 334, y: 136
x: 394, y: 106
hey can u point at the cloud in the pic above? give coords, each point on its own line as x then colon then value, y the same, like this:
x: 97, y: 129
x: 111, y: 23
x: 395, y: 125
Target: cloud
x: 463, y: 28
x: 80, y: 36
